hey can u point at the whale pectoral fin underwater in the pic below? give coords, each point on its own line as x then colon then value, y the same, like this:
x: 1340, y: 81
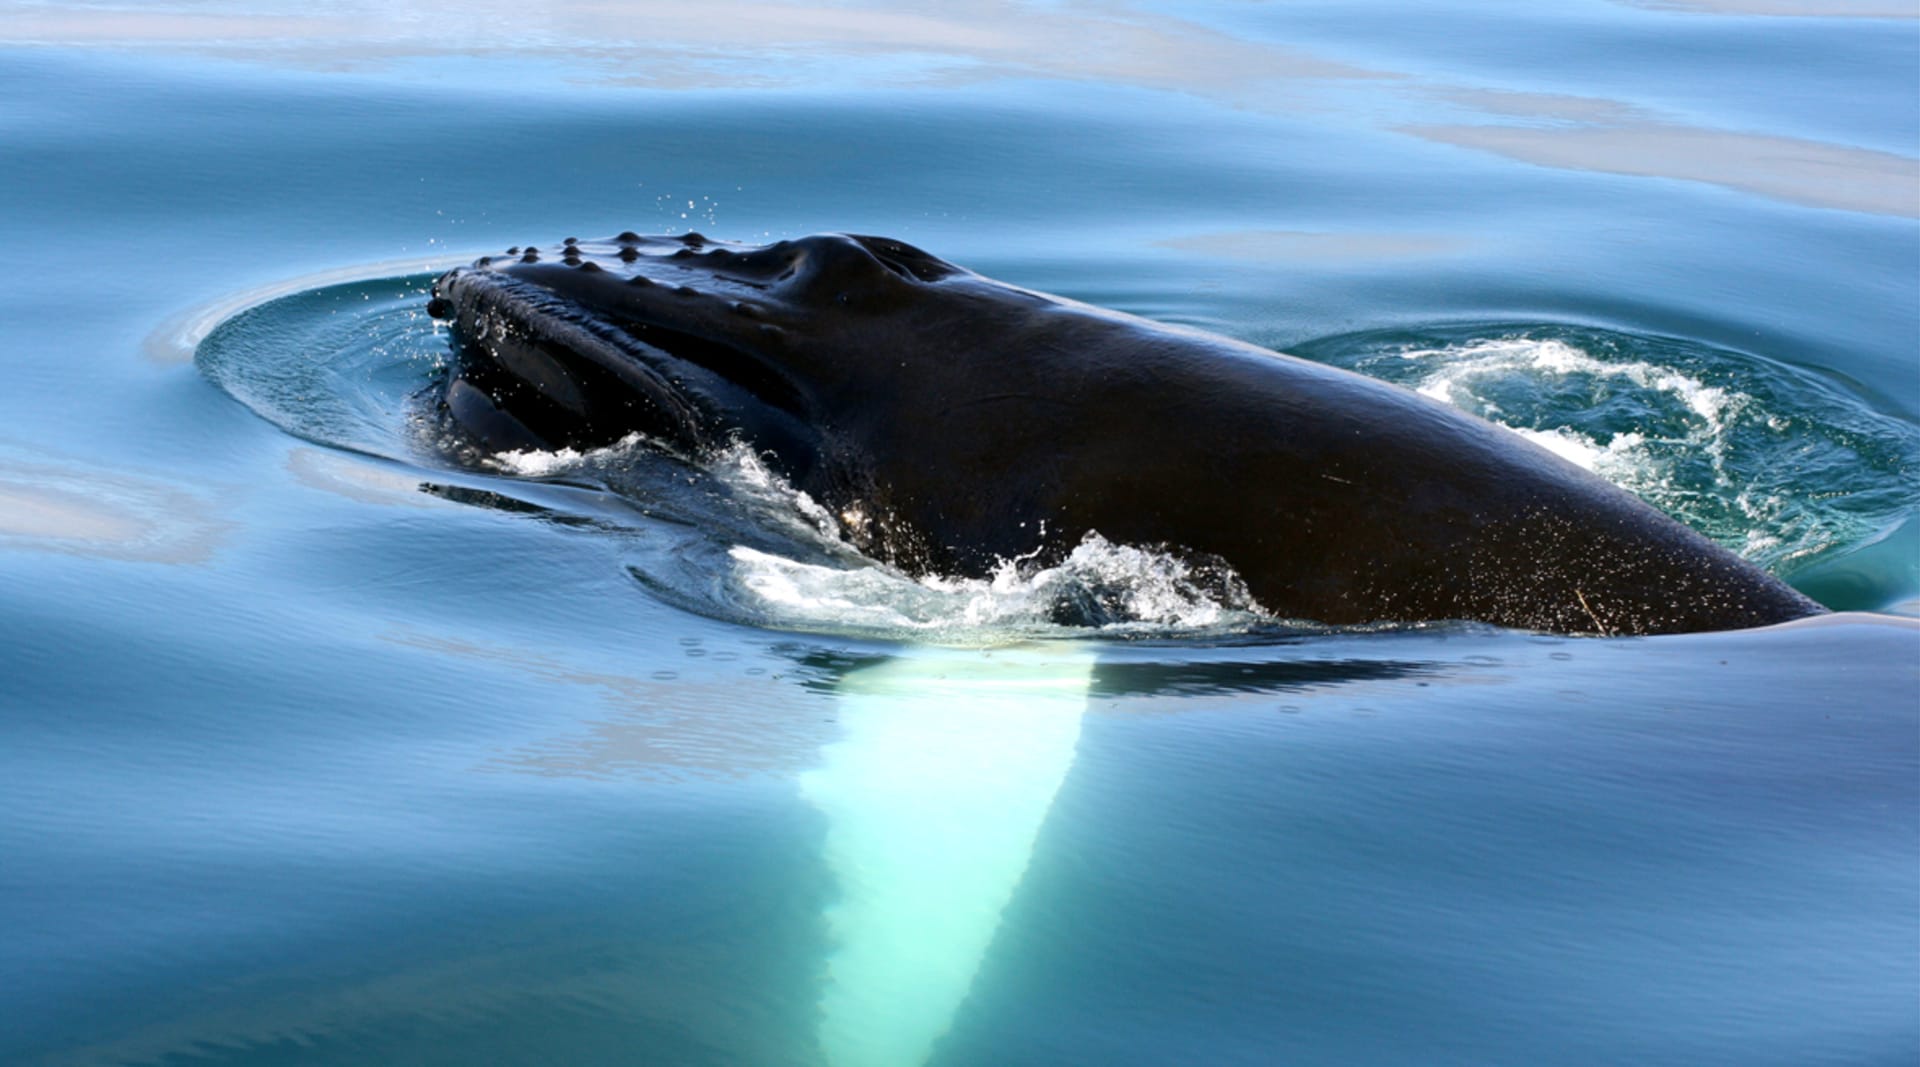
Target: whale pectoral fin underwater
x: 934, y: 794
x: 963, y: 422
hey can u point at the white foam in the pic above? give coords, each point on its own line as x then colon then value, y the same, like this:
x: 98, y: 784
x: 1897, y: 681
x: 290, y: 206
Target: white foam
x: 1137, y: 588
x: 534, y: 463
x: 1460, y: 365
x: 1468, y: 375
x: 1573, y: 447
x: 1142, y: 589
x: 743, y: 468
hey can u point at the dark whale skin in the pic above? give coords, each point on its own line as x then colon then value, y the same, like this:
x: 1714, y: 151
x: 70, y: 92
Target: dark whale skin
x: 952, y: 421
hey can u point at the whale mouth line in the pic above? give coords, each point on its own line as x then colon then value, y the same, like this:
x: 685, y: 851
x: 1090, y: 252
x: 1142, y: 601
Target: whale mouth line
x: 688, y: 374
x: 739, y: 366
x: 512, y: 325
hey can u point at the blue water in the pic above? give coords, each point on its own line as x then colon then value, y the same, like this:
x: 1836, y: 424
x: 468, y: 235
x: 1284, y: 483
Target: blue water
x: 316, y: 748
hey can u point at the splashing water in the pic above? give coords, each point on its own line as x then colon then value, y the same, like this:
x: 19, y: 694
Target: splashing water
x: 1781, y: 467
x: 813, y: 579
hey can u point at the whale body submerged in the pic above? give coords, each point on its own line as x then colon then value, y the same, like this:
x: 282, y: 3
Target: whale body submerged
x: 951, y: 422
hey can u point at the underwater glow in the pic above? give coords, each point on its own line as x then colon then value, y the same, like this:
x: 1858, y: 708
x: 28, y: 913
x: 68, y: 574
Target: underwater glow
x: 934, y: 794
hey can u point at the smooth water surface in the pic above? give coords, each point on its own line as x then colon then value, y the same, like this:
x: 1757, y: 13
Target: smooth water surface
x: 319, y: 748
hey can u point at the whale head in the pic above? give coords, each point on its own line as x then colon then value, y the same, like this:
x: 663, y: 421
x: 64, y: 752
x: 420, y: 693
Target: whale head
x: 687, y: 340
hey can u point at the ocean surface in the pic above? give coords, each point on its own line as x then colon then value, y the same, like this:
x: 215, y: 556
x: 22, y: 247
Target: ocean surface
x: 318, y: 747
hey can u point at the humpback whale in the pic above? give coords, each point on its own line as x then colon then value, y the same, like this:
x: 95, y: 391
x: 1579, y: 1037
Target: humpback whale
x: 950, y: 422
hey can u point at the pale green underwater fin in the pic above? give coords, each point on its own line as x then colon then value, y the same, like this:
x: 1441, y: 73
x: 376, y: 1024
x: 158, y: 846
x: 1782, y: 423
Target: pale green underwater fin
x: 946, y: 766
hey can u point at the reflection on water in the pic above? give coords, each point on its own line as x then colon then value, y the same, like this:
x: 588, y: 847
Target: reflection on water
x: 1289, y: 246
x: 1823, y: 9
x: 1187, y: 676
x: 1785, y: 168
x: 769, y: 45
x: 358, y: 478
x: 719, y: 724
x: 673, y: 46
x: 61, y: 506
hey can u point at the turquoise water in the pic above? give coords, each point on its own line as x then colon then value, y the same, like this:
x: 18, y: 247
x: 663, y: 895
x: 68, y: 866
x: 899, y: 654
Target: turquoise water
x: 318, y: 748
